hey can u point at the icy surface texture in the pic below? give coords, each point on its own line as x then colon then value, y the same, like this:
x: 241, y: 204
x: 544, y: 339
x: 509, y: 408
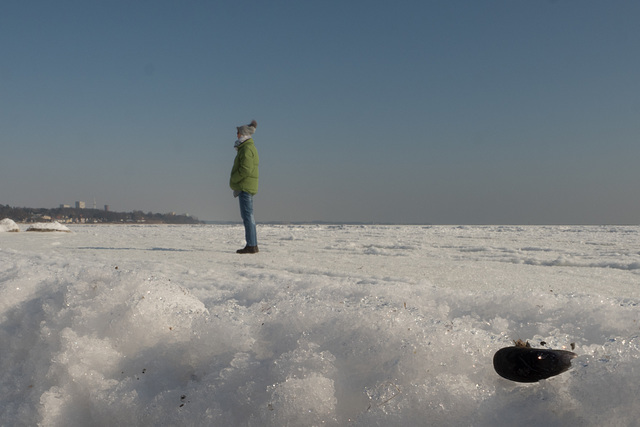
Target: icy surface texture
x: 327, y: 325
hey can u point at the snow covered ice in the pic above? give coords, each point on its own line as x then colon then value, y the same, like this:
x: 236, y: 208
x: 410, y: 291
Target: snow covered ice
x: 327, y: 325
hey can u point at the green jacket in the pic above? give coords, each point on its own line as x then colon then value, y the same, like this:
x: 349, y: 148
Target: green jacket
x: 244, y: 175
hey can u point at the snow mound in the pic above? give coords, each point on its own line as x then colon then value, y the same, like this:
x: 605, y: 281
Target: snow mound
x: 48, y: 226
x: 8, y: 225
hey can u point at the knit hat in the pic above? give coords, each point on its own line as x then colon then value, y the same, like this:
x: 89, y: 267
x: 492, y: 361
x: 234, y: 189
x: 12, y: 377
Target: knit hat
x: 248, y: 129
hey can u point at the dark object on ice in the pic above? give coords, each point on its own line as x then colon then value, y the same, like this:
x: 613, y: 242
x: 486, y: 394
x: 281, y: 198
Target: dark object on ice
x: 527, y: 365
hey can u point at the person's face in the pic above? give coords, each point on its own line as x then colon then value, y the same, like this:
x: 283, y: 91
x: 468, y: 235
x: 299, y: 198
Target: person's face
x: 238, y: 135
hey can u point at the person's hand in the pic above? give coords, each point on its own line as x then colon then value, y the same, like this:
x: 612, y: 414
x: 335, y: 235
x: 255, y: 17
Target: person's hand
x: 236, y: 193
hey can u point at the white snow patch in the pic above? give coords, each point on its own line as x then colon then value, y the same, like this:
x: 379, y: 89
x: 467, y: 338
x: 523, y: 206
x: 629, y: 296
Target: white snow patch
x: 8, y: 225
x: 48, y: 226
x: 348, y: 325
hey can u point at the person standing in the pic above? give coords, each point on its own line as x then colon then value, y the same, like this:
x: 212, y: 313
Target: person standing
x: 244, y: 183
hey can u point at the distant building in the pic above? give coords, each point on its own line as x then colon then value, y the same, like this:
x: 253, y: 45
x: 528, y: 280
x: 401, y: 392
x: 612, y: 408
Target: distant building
x: 64, y: 206
x: 106, y: 208
x: 80, y: 205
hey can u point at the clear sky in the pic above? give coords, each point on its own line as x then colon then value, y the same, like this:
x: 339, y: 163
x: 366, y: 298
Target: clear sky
x: 444, y: 112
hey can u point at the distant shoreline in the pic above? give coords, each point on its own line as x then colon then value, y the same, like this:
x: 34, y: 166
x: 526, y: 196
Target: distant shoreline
x: 68, y: 215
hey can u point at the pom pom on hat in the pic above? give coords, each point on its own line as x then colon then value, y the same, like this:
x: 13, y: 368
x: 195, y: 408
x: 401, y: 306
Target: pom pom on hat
x: 248, y: 129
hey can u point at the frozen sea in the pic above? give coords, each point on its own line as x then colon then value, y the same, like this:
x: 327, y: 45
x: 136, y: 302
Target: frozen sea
x: 328, y: 325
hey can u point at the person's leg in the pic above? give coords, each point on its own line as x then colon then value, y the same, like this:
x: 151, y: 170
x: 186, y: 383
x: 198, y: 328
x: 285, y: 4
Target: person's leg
x: 246, y: 212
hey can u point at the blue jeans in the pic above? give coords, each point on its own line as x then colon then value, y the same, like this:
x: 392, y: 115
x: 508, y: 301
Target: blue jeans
x: 246, y: 211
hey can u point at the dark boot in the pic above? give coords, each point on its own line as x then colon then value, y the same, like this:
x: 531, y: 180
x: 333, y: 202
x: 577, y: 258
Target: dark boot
x: 248, y: 250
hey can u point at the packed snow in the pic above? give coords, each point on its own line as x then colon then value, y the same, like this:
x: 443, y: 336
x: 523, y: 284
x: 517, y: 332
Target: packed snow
x: 148, y: 325
x: 48, y: 226
x: 8, y: 225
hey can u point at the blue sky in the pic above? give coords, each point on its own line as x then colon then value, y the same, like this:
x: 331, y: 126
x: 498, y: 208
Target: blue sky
x: 444, y: 112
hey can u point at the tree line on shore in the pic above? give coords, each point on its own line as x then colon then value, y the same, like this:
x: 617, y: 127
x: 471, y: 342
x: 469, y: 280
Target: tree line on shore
x: 77, y: 215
